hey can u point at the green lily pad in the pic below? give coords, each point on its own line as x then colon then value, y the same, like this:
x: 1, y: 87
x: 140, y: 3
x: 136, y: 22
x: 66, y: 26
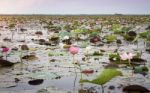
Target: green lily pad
x: 104, y: 77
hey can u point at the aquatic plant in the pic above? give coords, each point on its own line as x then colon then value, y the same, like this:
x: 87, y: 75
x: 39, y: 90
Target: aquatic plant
x: 95, y: 40
x: 116, y: 28
x: 114, y: 57
x: 104, y: 77
x: 144, y: 34
x: 66, y: 40
x: 126, y: 56
x: 110, y: 38
x: 38, y: 33
x: 142, y: 70
x: 84, y: 44
x: 93, y: 33
x: 97, y: 53
x: 129, y: 38
x: 5, y: 51
x: 126, y: 29
x: 63, y: 34
x: 73, y: 50
x: 135, y: 89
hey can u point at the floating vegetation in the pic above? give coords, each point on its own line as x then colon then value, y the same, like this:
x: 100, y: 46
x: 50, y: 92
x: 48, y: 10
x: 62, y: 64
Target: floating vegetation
x: 59, y: 52
x: 110, y: 38
x: 104, y: 77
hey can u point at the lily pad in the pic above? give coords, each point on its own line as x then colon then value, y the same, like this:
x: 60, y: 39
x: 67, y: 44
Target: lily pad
x: 104, y: 77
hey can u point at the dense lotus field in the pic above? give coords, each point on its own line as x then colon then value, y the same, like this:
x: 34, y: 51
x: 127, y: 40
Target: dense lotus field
x: 75, y: 54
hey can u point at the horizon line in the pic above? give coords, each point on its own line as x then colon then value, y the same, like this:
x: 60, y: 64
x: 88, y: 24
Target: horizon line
x: 73, y: 14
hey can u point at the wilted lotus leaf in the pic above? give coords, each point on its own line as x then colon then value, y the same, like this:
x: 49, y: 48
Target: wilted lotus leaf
x: 88, y: 71
x: 5, y: 63
x: 135, y: 89
x: 36, y: 82
x: 95, y: 39
x: 132, y: 33
x: 30, y: 57
x: 24, y: 47
x: 38, y: 33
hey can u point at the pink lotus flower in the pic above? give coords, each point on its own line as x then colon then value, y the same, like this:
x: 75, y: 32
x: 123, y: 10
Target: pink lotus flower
x: 130, y: 56
x: 5, y: 50
x: 126, y: 56
x: 73, y: 50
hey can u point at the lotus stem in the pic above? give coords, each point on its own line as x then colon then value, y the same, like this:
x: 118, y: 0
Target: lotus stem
x: 6, y: 55
x: 81, y: 72
x: 74, y: 65
x: 75, y: 71
x: 130, y: 65
x: 102, y: 88
x: 130, y: 62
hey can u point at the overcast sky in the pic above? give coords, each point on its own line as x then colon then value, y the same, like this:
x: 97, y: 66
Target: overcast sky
x: 74, y: 6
